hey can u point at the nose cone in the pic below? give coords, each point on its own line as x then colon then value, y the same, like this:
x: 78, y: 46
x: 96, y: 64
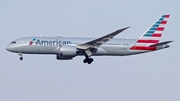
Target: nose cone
x: 11, y: 48
x: 8, y: 48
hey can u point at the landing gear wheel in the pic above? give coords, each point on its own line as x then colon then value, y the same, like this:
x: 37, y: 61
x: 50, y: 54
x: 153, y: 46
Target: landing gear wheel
x: 88, y: 60
x: 85, y: 60
x: 21, y: 58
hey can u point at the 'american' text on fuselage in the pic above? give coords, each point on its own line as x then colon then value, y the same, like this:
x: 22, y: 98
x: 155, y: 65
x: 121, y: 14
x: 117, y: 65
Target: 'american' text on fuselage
x: 52, y: 43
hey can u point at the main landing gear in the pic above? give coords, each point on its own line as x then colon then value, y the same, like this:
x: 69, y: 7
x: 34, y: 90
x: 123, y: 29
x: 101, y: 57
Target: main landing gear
x: 88, y: 60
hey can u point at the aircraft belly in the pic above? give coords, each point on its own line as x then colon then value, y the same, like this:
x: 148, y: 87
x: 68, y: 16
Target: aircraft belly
x: 112, y: 50
x: 133, y: 52
x: 29, y: 49
x: 38, y: 49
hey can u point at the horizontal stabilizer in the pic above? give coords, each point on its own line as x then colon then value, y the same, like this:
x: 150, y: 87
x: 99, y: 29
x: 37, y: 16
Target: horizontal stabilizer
x: 161, y: 43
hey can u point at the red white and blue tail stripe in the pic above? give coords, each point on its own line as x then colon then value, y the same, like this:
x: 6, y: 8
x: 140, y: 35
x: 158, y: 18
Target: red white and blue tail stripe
x: 152, y: 35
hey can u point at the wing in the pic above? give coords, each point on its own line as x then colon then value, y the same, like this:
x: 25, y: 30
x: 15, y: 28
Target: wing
x: 98, y: 42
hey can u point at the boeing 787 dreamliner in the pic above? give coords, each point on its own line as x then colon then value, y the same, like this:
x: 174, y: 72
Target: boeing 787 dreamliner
x: 65, y: 48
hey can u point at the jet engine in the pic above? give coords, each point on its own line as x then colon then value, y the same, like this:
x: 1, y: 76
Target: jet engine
x: 66, y: 52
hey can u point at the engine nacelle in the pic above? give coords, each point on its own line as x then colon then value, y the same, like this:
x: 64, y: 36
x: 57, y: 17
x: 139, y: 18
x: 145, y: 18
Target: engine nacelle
x: 68, y: 50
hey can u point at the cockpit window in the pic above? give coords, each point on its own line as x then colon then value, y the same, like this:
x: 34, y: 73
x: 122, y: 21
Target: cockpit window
x: 13, y: 42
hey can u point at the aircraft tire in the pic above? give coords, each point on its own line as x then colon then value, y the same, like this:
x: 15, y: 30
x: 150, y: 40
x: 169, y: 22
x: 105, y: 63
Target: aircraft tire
x: 21, y: 58
x: 90, y: 61
x: 84, y: 60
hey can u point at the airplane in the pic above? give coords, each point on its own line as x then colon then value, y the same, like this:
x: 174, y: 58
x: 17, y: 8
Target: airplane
x: 66, y: 48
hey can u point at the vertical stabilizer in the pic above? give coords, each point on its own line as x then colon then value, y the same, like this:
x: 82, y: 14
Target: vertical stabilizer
x: 154, y: 33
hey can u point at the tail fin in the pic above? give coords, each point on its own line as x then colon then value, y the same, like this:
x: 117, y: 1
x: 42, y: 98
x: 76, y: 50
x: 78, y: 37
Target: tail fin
x: 154, y: 33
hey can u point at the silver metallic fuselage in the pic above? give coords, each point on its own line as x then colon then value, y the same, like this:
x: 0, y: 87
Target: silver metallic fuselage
x: 50, y: 45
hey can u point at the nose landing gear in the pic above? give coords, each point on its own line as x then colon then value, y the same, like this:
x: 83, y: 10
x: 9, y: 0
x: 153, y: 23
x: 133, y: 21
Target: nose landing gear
x: 21, y: 58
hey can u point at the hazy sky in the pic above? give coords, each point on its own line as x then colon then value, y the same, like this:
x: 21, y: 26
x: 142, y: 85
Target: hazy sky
x: 147, y: 77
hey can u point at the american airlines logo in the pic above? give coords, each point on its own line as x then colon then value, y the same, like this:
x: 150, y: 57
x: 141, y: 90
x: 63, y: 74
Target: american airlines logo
x: 31, y: 42
x: 49, y: 42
